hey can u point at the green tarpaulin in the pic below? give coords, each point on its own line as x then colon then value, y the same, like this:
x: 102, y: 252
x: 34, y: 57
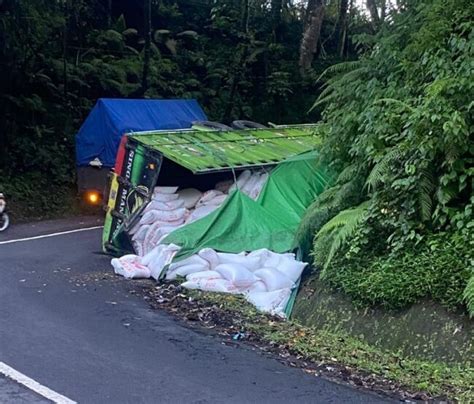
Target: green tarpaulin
x: 242, y: 224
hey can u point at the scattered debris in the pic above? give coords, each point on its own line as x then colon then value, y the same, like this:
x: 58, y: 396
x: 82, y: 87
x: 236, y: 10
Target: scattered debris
x: 247, y: 325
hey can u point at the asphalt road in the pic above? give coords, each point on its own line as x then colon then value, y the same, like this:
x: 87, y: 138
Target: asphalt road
x: 68, y: 323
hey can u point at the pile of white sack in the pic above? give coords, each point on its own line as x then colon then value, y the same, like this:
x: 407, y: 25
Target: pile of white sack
x: 265, y: 278
x: 171, y: 208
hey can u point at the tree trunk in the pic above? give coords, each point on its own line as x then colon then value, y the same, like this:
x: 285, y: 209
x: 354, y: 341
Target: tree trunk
x: 383, y: 11
x: 342, y: 27
x: 374, y: 14
x: 311, y: 33
x: 276, y: 9
x: 146, y: 61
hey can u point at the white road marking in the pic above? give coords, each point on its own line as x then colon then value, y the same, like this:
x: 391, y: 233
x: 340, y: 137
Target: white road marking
x: 18, y: 240
x: 34, y: 385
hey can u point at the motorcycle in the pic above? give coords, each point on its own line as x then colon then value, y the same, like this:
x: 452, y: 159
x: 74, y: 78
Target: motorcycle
x: 4, y: 219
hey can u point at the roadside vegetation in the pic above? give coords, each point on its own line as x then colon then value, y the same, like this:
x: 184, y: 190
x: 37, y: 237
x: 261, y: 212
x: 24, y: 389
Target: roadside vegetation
x: 397, y: 225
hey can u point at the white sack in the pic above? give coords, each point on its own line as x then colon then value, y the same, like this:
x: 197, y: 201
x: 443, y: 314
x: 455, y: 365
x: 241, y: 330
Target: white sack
x: 160, y: 215
x: 239, y: 275
x: 211, y: 285
x: 251, y: 263
x: 258, y: 186
x: 161, y: 256
x: 210, y: 256
x: 141, y: 233
x: 129, y: 266
x: 170, y: 205
x: 205, y: 275
x: 190, y: 196
x: 224, y: 186
x: 200, y: 212
x: 190, y: 269
x: 241, y: 180
x: 258, y: 286
x: 274, y: 279
x: 165, y: 190
x: 164, y: 197
x: 271, y: 302
x: 250, y: 184
x: 155, y: 234
x: 207, y: 196
x: 269, y: 258
x: 192, y: 260
x: 138, y: 247
x: 216, y: 201
x: 291, y: 268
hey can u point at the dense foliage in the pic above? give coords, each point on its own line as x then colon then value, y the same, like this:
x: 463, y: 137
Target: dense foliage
x: 238, y: 58
x: 398, y: 223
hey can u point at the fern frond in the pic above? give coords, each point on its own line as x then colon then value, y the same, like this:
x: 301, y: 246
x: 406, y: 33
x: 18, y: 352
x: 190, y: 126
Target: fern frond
x: 348, y: 173
x: 337, y: 83
x: 452, y: 153
x: 323, y: 101
x: 342, y: 80
x: 341, y: 227
x: 325, y: 197
x: 381, y: 169
x: 446, y: 194
x: 394, y: 101
x: 339, y: 68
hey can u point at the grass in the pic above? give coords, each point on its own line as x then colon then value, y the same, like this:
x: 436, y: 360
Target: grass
x: 455, y: 382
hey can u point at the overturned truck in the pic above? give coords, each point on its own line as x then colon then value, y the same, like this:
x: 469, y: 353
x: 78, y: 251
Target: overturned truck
x: 202, y: 159
x: 218, y: 193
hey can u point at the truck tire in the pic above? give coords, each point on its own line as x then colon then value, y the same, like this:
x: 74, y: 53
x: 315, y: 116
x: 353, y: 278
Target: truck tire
x: 247, y: 125
x: 212, y: 125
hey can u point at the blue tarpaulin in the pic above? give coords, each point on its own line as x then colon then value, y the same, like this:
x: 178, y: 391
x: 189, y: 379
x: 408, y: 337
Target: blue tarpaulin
x: 100, y: 134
